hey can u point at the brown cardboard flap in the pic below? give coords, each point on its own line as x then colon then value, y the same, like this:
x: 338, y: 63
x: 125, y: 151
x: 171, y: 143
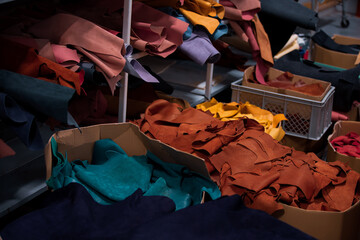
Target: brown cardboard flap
x: 334, y: 58
x: 342, y: 128
x: 324, y: 225
x: 345, y: 40
x: 79, y: 145
x: 274, y: 73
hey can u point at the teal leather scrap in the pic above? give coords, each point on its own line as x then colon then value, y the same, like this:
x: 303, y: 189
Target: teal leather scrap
x: 44, y: 97
x: 113, y: 176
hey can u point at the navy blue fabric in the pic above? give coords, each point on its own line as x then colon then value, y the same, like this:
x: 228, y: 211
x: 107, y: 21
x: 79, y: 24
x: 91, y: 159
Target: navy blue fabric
x: 21, y: 122
x: 280, y: 19
x: 71, y: 213
x: 290, y: 11
x: 324, y: 40
x: 224, y: 218
x: 346, y: 83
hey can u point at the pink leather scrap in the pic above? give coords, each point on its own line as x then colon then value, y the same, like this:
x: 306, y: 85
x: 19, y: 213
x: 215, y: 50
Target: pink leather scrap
x: 244, y: 160
x: 103, y: 48
x: 348, y: 145
x: 154, y: 31
x: 64, y: 55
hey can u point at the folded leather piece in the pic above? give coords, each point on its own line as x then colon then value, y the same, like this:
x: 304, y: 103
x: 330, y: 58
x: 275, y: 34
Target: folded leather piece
x: 199, y: 48
x: 5, y: 150
x: 64, y: 55
x: 346, y: 83
x: 100, y: 46
x: 113, y: 175
x: 206, y: 13
x: 39, y: 96
x: 134, y: 68
x: 24, y: 60
x: 324, y: 40
x: 348, y: 145
x: 221, y: 30
x: 154, y: 31
x: 244, y: 160
x: 70, y: 211
x: 234, y: 111
x: 21, y: 121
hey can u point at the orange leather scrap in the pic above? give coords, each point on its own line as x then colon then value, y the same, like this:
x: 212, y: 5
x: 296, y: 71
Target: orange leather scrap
x: 25, y: 60
x: 234, y: 111
x: 242, y: 159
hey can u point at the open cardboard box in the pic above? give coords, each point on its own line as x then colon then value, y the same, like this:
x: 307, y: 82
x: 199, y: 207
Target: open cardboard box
x: 335, y: 58
x: 79, y: 145
x: 274, y: 73
x: 342, y: 128
x: 324, y: 225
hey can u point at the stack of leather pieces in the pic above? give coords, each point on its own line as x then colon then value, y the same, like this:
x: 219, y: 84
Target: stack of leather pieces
x: 244, y: 160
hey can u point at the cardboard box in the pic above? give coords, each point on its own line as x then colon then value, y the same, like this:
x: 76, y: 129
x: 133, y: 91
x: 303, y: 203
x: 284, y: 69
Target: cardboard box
x: 79, y: 145
x: 274, y: 73
x: 324, y: 225
x: 334, y: 58
x: 342, y: 128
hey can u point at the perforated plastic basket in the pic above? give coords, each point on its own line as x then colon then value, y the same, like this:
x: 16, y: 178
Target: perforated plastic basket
x: 306, y: 118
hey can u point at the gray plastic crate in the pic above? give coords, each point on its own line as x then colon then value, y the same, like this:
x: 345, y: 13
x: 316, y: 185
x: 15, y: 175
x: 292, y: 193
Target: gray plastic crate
x: 306, y: 118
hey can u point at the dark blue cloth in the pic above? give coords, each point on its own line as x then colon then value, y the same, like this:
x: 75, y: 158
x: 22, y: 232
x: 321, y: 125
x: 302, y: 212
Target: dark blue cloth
x: 346, y: 83
x: 224, y: 218
x: 21, y: 122
x: 71, y: 213
x: 324, y: 40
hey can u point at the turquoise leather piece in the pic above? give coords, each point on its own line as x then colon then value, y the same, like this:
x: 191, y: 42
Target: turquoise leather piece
x: 180, y: 177
x: 113, y: 175
x: 160, y: 188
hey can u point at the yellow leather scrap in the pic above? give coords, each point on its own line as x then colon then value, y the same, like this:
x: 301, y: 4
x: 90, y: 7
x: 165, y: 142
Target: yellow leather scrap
x: 234, y: 111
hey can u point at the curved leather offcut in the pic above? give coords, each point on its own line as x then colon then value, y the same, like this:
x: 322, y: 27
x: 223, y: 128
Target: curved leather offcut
x: 100, y: 46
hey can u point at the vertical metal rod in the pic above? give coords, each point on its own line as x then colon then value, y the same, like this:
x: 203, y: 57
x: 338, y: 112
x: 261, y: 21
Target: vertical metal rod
x: 124, y: 81
x: 209, y: 77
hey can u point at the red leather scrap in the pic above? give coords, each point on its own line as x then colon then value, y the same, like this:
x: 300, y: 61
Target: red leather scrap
x: 244, y: 160
x: 348, y: 144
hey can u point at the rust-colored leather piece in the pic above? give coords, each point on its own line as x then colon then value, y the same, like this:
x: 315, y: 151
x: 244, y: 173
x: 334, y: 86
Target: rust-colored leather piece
x: 25, y: 60
x: 244, y: 160
x: 284, y: 81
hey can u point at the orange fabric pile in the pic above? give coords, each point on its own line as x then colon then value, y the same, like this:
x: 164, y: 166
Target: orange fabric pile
x: 244, y: 160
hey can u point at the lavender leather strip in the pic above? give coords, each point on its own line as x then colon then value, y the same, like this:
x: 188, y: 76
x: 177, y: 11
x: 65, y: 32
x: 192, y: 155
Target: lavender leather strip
x: 199, y: 48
